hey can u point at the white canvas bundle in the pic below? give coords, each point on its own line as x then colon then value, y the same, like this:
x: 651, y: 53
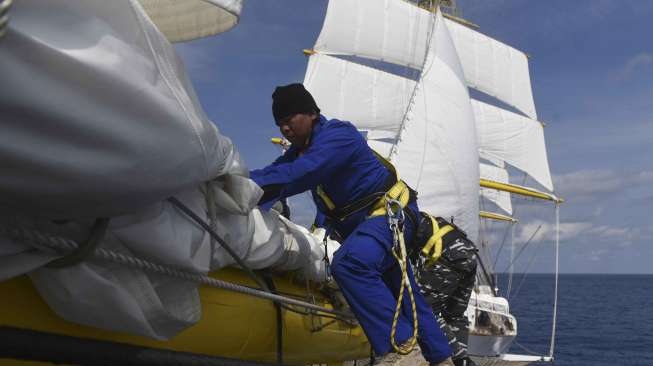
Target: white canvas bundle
x: 100, y: 119
x: 99, y: 116
x: 184, y: 20
x: 114, y: 297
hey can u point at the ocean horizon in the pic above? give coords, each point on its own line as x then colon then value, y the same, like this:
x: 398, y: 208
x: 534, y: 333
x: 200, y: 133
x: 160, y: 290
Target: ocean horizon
x: 603, y: 319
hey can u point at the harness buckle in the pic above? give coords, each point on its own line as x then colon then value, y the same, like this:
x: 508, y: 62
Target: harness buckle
x: 395, y: 212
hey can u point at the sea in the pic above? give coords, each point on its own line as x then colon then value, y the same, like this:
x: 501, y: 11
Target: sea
x: 603, y: 320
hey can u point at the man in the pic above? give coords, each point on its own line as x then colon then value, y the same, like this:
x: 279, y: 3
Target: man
x: 333, y: 160
x: 447, y: 285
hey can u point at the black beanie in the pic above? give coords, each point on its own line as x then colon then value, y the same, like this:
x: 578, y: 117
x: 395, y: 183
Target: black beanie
x: 291, y: 99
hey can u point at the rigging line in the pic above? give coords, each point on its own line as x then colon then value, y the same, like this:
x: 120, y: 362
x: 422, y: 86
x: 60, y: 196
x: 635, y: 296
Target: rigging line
x: 512, y: 256
x: 488, y: 278
x: 393, y: 150
x: 222, y: 243
x: 505, y: 235
x: 555, y: 291
x: 523, y: 247
x: 528, y: 266
x: 36, y: 238
x: 175, y: 202
x: 485, y: 227
x: 503, y: 242
x: 533, y: 353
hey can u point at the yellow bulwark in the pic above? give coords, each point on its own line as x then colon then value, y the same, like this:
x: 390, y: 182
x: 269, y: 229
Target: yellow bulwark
x: 233, y: 325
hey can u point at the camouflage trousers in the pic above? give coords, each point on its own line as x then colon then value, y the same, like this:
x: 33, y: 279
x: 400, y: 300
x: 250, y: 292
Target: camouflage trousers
x: 447, y: 286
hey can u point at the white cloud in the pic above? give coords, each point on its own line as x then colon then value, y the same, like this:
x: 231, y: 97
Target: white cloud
x: 597, y: 254
x: 640, y: 60
x: 584, y: 185
x: 577, y: 232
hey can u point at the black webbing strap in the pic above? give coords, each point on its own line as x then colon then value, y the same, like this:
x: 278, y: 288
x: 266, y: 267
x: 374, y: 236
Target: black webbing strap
x: 341, y: 213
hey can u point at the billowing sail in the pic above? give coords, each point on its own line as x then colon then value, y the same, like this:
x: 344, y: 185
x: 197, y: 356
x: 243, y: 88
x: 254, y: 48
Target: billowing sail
x: 500, y: 198
x: 372, y: 99
x: 185, y: 20
x: 513, y: 139
x: 419, y: 123
x: 494, y: 68
x: 389, y: 30
x: 430, y: 152
x: 397, y: 32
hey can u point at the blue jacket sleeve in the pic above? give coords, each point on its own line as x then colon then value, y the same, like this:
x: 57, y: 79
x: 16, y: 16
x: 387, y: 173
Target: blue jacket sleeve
x: 330, y: 151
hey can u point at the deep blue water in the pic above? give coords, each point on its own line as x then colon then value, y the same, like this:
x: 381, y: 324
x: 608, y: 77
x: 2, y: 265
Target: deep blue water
x: 602, y: 319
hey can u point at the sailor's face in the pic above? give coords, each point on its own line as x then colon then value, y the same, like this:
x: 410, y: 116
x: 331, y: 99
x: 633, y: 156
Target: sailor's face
x: 297, y: 128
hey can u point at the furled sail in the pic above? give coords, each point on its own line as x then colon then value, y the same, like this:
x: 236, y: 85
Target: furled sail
x: 514, y: 139
x: 100, y: 119
x: 494, y: 68
x: 100, y: 79
x: 185, y: 20
x: 500, y: 198
x: 418, y: 125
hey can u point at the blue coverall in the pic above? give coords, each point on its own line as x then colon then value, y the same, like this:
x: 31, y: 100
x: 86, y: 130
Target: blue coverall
x: 339, y: 159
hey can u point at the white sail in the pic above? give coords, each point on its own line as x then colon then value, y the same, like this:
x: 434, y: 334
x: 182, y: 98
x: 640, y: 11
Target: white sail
x: 185, y: 20
x: 397, y: 32
x: 430, y: 154
x: 494, y: 68
x: 514, y: 139
x: 388, y: 30
x: 500, y: 198
x: 372, y: 99
x: 422, y: 122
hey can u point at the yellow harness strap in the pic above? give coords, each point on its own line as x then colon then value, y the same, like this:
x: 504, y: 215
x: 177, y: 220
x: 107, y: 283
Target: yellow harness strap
x: 399, y: 192
x: 435, y: 241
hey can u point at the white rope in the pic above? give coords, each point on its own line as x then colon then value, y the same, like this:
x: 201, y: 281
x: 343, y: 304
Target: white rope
x: 555, y: 294
x: 411, y: 100
x: 38, y: 239
x: 511, y: 269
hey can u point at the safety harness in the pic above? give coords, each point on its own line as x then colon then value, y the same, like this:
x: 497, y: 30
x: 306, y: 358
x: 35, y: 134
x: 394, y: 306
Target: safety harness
x: 431, y: 231
x: 393, y: 188
x: 392, y: 201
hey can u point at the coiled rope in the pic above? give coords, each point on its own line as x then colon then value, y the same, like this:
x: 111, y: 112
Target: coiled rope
x: 395, y: 217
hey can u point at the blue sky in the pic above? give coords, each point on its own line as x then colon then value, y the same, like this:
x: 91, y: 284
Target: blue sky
x: 592, y: 74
